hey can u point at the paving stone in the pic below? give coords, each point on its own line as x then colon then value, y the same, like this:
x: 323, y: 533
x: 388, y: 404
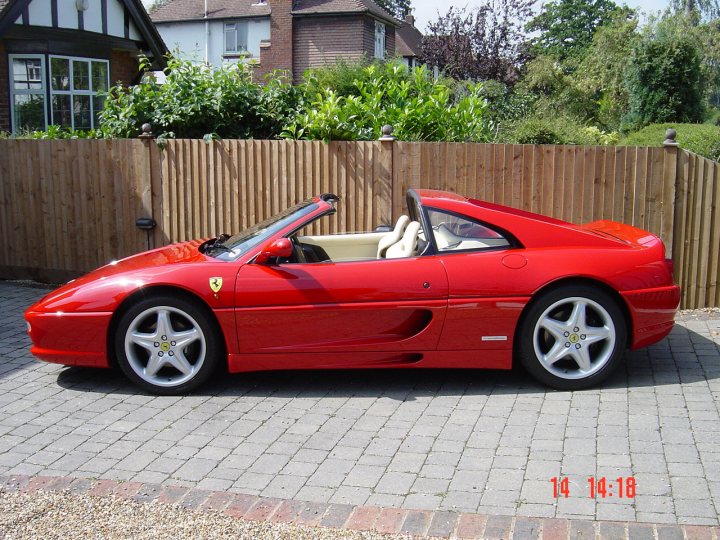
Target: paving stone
x: 437, y: 440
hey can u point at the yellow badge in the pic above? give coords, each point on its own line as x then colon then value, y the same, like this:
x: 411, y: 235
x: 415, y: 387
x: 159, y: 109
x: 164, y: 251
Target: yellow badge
x: 215, y: 284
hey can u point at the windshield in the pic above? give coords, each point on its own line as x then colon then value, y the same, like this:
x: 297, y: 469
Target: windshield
x: 252, y: 237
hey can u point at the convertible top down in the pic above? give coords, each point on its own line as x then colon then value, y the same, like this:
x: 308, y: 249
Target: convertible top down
x: 456, y: 283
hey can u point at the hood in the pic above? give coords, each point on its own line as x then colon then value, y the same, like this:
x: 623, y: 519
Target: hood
x: 104, y: 287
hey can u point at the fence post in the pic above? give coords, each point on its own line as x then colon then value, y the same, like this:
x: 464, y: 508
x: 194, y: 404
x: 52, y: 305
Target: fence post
x: 676, y: 165
x: 669, y: 179
x: 388, y: 214
x: 149, y: 192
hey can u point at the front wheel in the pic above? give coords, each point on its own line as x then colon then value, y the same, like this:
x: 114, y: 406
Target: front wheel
x: 167, y: 345
x: 572, y: 338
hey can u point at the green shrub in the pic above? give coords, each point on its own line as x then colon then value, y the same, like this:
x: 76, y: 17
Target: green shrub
x: 418, y: 107
x: 703, y: 139
x: 506, y: 104
x: 196, y: 100
x: 55, y: 132
x: 665, y: 81
x: 340, y: 77
x: 557, y: 130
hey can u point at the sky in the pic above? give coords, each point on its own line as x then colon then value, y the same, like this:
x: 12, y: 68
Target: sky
x: 427, y: 10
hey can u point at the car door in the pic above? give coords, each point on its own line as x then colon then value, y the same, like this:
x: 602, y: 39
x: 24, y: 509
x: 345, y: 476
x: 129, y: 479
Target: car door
x: 353, y: 306
x: 487, y: 272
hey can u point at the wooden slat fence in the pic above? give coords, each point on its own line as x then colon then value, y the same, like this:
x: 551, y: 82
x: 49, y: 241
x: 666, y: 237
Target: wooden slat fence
x: 69, y: 206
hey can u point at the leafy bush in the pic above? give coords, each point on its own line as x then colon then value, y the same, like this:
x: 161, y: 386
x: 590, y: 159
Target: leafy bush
x: 55, y: 132
x: 557, y: 130
x: 506, y: 104
x: 340, y: 77
x: 59, y: 132
x: 418, y: 107
x: 665, y: 81
x: 196, y: 100
x: 703, y: 139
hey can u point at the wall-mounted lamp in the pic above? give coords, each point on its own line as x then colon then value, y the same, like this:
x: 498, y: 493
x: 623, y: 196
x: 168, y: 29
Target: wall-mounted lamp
x: 146, y: 224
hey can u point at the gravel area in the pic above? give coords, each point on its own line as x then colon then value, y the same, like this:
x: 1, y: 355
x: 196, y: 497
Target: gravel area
x: 50, y: 515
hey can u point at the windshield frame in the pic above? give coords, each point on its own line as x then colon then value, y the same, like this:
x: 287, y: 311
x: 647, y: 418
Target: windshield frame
x: 253, y: 238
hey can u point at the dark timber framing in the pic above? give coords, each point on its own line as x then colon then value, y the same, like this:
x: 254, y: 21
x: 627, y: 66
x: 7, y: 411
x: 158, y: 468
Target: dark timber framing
x: 133, y: 9
x: 103, y: 10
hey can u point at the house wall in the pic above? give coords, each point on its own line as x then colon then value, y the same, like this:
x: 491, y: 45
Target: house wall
x: 189, y: 38
x: 4, y: 90
x: 277, y: 54
x: 40, y: 14
x: 321, y: 40
x: 123, y: 67
x: 369, y: 38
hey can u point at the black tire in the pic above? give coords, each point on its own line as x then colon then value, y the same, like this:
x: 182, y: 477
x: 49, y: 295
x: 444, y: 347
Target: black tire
x: 202, y: 354
x: 557, y: 363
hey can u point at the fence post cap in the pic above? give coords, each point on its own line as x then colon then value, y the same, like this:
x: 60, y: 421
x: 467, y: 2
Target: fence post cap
x: 387, y: 135
x: 146, y: 131
x: 670, y: 135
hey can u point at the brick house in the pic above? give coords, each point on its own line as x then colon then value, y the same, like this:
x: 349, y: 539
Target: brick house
x: 291, y: 35
x: 408, y: 39
x: 56, y: 56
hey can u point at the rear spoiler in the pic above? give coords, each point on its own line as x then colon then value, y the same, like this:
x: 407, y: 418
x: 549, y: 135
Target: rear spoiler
x: 624, y: 233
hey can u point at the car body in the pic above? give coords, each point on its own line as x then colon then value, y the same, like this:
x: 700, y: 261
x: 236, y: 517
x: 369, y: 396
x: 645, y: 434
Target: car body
x: 490, y: 284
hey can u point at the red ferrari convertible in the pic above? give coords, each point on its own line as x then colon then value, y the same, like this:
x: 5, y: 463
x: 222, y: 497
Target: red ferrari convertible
x: 456, y: 283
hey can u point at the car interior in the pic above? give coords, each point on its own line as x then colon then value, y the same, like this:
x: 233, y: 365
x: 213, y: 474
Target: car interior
x: 406, y: 239
x: 451, y: 232
x: 401, y: 241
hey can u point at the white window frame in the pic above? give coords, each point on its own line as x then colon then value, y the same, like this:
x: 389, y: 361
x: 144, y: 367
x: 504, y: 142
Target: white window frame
x: 15, y: 92
x: 238, y: 50
x: 379, y: 40
x: 73, y: 92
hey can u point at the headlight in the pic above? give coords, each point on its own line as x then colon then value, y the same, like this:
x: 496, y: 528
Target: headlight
x: 28, y: 326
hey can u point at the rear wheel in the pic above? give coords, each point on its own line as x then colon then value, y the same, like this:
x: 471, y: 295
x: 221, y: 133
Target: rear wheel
x: 167, y: 345
x: 573, y: 337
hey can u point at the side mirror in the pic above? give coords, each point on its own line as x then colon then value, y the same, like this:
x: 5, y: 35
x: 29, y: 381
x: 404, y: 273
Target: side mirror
x: 277, y: 248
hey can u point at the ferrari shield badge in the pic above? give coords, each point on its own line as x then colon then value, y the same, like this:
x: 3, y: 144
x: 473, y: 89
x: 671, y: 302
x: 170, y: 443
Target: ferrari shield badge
x: 215, y: 284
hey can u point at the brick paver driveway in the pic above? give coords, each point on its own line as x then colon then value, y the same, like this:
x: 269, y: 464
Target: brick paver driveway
x: 475, y: 441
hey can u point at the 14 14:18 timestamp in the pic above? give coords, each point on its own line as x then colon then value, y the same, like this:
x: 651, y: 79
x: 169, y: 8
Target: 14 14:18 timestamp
x: 621, y: 487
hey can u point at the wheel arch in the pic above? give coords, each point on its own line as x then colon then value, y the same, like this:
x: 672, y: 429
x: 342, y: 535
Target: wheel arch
x: 570, y: 281
x: 148, y: 292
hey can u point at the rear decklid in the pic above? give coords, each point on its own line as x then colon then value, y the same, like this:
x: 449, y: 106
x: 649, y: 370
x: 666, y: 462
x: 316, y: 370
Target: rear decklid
x: 625, y: 233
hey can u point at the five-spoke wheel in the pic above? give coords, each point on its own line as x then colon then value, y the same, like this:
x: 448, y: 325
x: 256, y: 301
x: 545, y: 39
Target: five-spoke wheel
x: 166, y: 345
x: 572, y: 337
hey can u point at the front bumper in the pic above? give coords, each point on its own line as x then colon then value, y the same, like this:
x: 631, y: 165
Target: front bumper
x: 73, y: 339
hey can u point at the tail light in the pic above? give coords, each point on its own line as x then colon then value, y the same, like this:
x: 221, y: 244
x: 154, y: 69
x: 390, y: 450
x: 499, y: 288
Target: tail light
x: 671, y: 266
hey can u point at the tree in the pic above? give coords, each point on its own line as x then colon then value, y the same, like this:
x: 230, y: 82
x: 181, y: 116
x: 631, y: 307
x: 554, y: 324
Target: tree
x: 567, y: 27
x: 601, y: 74
x: 665, y: 81
x: 480, y: 44
x: 397, y: 8
x: 696, y: 9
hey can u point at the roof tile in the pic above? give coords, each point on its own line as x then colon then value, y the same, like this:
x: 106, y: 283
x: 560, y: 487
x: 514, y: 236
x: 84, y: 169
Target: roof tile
x: 407, y: 40
x: 184, y: 10
x: 312, y: 7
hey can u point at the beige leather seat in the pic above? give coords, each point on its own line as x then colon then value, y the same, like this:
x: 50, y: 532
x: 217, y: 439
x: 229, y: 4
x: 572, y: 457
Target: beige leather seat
x: 407, y: 245
x: 393, y: 237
